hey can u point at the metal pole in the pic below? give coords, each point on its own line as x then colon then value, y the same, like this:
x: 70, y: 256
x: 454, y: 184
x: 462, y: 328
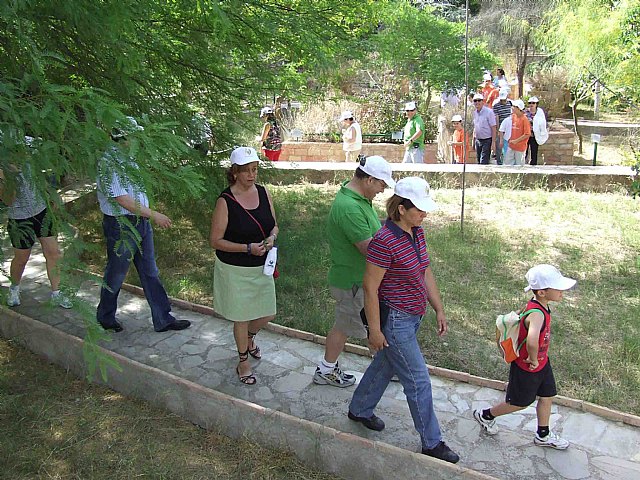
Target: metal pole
x: 595, y: 152
x: 465, y: 135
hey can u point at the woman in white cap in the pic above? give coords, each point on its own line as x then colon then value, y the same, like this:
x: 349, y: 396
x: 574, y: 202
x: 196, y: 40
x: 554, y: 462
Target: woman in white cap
x: 398, y: 283
x: 243, y: 230
x: 351, y: 136
x: 539, y: 133
x: 270, y: 139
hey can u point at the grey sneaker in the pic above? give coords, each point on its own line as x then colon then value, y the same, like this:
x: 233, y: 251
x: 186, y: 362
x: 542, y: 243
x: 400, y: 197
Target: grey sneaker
x: 336, y: 378
x: 552, y: 440
x: 13, y: 299
x: 489, y: 425
x: 61, y: 300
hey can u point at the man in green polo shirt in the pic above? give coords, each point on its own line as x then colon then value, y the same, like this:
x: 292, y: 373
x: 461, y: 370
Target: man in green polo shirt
x: 413, y: 135
x: 351, y: 224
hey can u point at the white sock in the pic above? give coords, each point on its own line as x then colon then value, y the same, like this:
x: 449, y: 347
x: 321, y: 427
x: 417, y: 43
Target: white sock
x: 55, y: 293
x: 326, y: 367
x: 15, y: 287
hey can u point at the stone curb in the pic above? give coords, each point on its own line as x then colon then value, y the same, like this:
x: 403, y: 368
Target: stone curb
x: 582, y: 405
x: 322, y: 447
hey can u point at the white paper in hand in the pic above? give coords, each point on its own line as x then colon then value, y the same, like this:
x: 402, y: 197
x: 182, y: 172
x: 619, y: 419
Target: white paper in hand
x: 270, y: 262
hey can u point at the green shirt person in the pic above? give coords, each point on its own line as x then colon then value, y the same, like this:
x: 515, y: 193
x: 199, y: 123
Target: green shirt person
x: 413, y: 135
x: 351, y: 224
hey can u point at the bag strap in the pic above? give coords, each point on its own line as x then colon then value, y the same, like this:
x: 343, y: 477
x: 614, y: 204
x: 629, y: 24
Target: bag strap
x: 524, y: 314
x: 252, y: 217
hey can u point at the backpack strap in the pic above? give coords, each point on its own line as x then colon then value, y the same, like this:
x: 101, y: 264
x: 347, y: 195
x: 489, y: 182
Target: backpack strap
x: 524, y: 314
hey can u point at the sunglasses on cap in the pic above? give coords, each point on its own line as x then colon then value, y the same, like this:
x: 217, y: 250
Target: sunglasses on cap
x: 362, y: 160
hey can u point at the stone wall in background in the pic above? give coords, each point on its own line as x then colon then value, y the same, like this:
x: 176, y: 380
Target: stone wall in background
x: 332, y: 152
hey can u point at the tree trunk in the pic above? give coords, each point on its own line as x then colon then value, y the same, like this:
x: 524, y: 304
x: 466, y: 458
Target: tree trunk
x: 596, y: 100
x: 522, y: 65
x: 574, y: 112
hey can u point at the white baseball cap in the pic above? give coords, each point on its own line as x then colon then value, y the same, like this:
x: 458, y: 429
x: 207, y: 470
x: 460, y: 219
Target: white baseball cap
x: 377, y: 167
x: 410, y: 106
x: 346, y: 115
x: 416, y: 190
x: 534, y: 99
x: 486, y: 77
x: 244, y: 155
x: 266, y: 111
x: 518, y: 103
x: 547, y: 276
x: 456, y: 118
x: 503, y: 93
x: 478, y: 96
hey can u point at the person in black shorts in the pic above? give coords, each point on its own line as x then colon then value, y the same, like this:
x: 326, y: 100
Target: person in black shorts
x: 30, y: 219
x: 531, y: 374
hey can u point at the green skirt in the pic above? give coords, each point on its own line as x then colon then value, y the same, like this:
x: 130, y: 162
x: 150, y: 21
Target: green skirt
x: 242, y: 294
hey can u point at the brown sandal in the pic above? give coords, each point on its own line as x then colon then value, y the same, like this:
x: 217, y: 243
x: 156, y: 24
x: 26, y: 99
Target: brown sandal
x: 254, y: 352
x: 246, y: 379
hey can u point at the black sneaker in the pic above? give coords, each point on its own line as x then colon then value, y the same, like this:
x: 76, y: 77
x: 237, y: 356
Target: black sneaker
x: 177, y: 325
x: 443, y: 452
x: 372, y: 423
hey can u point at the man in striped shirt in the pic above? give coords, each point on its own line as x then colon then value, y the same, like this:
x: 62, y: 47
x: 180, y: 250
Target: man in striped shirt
x: 502, y: 111
x: 125, y: 206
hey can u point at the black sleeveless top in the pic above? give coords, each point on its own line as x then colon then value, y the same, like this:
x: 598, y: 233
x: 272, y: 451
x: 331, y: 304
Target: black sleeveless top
x: 242, y: 229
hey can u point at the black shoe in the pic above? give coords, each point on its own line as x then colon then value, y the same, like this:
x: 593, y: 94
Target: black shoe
x: 372, y: 423
x: 177, y: 325
x: 116, y: 327
x: 443, y: 452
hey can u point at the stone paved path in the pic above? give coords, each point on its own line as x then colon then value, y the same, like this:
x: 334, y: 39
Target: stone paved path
x: 601, y: 449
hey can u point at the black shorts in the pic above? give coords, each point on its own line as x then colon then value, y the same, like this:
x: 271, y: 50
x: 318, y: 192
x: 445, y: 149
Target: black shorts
x: 23, y: 232
x: 524, y: 386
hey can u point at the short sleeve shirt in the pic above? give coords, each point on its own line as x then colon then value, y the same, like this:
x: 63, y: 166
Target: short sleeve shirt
x: 482, y: 122
x: 352, y: 219
x: 405, y: 260
x: 114, y: 181
x: 29, y: 201
x: 412, y: 127
x: 519, y: 126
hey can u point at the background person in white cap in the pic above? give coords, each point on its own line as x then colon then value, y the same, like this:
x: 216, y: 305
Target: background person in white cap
x: 530, y: 375
x: 351, y: 224
x: 126, y: 215
x: 413, y: 135
x: 520, y: 132
x: 459, y: 153
x: 351, y: 136
x: 489, y: 92
x: 270, y: 139
x: 398, y: 284
x: 539, y: 133
x: 243, y: 230
x: 484, y: 129
x: 502, y: 110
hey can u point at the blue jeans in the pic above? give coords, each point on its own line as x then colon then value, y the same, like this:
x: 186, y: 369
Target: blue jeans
x: 483, y: 150
x: 403, y: 358
x: 122, y: 248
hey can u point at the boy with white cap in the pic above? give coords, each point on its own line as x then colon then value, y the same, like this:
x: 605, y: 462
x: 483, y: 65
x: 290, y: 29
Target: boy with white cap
x: 351, y: 136
x: 531, y: 374
x: 413, y: 135
x: 520, y: 133
x: 351, y: 224
x: 459, y: 154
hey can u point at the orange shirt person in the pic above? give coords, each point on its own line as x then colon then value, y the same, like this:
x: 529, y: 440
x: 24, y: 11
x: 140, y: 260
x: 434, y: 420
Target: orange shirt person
x: 458, y: 140
x: 520, y: 133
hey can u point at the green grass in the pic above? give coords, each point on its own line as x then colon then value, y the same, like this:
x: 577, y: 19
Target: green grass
x: 594, y: 238
x: 53, y: 425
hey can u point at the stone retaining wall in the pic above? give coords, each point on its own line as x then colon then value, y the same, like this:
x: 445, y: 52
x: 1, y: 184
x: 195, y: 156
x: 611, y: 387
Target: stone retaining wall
x: 332, y: 152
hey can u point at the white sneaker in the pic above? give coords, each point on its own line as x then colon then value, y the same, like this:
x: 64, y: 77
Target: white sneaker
x: 552, y: 440
x: 61, y: 300
x: 13, y: 299
x: 489, y: 425
x: 335, y: 378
